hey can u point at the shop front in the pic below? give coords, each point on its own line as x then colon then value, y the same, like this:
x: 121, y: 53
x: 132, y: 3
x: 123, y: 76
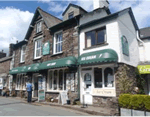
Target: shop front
x: 144, y: 70
x: 97, y: 75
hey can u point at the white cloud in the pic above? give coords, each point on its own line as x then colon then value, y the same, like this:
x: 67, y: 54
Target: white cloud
x: 13, y: 26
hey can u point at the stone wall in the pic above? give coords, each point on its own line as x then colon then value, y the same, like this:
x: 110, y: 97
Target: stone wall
x: 5, y: 66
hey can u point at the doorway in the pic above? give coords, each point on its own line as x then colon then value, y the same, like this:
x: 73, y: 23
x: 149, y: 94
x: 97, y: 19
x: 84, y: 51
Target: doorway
x: 87, y: 87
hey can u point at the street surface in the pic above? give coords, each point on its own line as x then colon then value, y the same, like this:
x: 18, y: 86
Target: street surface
x: 14, y: 107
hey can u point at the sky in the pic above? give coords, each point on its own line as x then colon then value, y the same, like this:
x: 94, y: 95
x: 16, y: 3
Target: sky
x: 15, y: 16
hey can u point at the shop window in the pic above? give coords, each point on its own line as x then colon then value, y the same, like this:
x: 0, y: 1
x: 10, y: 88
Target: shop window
x: 108, y: 77
x: 95, y: 37
x: 50, y: 79
x: 55, y: 79
x: 98, y: 77
x: 60, y: 79
x: 22, y: 59
x: 65, y: 75
x: 58, y: 43
x: 38, y: 48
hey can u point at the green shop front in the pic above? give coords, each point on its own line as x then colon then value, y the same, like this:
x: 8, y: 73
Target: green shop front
x: 144, y: 70
x: 54, y: 77
x: 97, y: 77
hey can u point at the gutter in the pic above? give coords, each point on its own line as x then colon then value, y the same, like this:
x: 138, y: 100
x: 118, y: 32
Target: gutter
x: 138, y: 37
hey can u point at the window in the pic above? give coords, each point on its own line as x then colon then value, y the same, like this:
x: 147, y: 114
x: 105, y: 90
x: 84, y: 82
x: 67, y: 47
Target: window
x: 98, y: 77
x: 38, y: 48
x: 55, y: 79
x: 70, y: 15
x: 95, y: 37
x: 125, y: 46
x: 58, y: 43
x: 108, y: 77
x: 103, y: 77
x: 38, y: 27
x: 23, y: 49
x: 60, y: 79
x: 50, y: 79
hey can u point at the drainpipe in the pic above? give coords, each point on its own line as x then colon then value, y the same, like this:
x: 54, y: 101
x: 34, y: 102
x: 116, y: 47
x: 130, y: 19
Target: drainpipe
x: 138, y: 37
x: 78, y: 56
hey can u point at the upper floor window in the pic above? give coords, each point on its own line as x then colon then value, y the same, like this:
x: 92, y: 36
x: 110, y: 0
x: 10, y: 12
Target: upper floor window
x: 23, y: 49
x: 70, y: 15
x: 39, y: 27
x: 95, y: 37
x: 58, y: 43
x: 38, y: 48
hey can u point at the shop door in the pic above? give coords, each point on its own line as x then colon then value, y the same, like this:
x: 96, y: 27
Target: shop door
x: 87, y: 87
x: 36, y: 87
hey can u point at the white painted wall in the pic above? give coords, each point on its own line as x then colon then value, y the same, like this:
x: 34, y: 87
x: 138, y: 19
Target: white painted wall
x: 114, y: 30
x: 97, y: 14
x: 126, y: 28
x: 144, y: 51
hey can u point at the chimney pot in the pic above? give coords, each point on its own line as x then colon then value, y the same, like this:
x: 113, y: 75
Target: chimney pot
x: 100, y: 4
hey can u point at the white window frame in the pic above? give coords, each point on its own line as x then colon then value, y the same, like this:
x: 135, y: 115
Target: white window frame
x: 22, y: 53
x: 38, y: 26
x: 54, y: 42
x: 35, y: 47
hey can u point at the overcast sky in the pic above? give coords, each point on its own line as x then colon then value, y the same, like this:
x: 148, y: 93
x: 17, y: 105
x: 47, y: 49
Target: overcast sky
x: 15, y: 16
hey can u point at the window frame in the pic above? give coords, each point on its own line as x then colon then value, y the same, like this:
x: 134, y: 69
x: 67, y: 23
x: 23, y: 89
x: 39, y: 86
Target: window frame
x: 54, y: 42
x: 37, y: 28
x: 96, y: 36
x: 21, y: 61
x: 71, y: 13
x: 35, y: 47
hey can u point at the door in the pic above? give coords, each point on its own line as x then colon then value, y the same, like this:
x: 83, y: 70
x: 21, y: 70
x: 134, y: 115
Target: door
x: 36, y: 87
x: 87, y: 87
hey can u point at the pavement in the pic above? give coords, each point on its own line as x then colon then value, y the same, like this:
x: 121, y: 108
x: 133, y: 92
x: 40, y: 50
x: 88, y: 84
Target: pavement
x: 16, y: 107
x: 77, y: 109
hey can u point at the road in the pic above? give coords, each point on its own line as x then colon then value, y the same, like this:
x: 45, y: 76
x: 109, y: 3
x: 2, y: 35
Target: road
x: 15, y: 107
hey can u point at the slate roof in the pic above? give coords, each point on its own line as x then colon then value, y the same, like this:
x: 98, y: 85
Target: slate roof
x: 145, y: 33
x: 5, y: 58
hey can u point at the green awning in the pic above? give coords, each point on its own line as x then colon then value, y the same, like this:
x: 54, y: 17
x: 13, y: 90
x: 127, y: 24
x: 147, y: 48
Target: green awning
x: 58, y: 63
x: 18, y: 70
x: 25, y: 69
x: 102, y: 56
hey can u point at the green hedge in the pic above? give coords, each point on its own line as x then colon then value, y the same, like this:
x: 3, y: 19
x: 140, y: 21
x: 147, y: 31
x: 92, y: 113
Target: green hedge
x: 138, y: 102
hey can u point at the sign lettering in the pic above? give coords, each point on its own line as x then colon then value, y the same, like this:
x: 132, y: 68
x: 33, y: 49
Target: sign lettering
x: 51, y: 64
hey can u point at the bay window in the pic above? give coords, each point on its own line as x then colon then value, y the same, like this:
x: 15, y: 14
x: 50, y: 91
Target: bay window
x: 38, y: 48
x: 57, y: 43
x: 22, y: 58
x: 95, y: 37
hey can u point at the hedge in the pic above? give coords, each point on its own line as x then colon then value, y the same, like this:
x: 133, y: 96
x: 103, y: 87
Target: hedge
x: 137, y: 102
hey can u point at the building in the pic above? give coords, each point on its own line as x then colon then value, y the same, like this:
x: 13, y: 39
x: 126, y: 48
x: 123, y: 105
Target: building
x: 144, y: 64
x: 2, y: 54
x: 86, y: 54
x: 49, y: 54
x: 108, y: 44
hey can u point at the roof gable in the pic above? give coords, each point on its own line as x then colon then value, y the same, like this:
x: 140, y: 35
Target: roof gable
x: 73, y: 5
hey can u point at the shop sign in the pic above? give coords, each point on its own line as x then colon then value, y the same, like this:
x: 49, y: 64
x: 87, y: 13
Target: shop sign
x: 64, y: 97
x: 104, y: 92
x: 144, y: 69
x: 46, y: 48
x: 41, y: 95
x: 91, y: 57
x: 51, y: 64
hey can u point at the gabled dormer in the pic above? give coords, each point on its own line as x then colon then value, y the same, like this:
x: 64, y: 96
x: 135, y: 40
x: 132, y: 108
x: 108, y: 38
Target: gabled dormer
x: 72, y: 10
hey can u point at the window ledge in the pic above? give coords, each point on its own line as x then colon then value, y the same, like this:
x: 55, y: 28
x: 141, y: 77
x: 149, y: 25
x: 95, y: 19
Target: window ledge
x: 38, y: 34
x: 55, y: 91
x: 57, y: 54
x: 95, y: 46
x: 37, y: 58
x: 22, y: 62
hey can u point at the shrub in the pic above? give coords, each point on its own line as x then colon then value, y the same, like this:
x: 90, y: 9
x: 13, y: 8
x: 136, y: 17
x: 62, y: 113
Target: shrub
x: 139, y: 102
x: 147, y: 102
x: 124, y: 100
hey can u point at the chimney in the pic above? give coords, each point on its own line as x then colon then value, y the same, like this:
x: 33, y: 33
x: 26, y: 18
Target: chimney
x: 16, y: 41
x: 100, y: 4
x: 2, y: 51
x: 11, y: 49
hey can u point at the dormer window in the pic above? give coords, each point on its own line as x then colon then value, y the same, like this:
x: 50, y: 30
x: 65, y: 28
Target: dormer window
x: 39, y: 27
x: 70, y: 15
